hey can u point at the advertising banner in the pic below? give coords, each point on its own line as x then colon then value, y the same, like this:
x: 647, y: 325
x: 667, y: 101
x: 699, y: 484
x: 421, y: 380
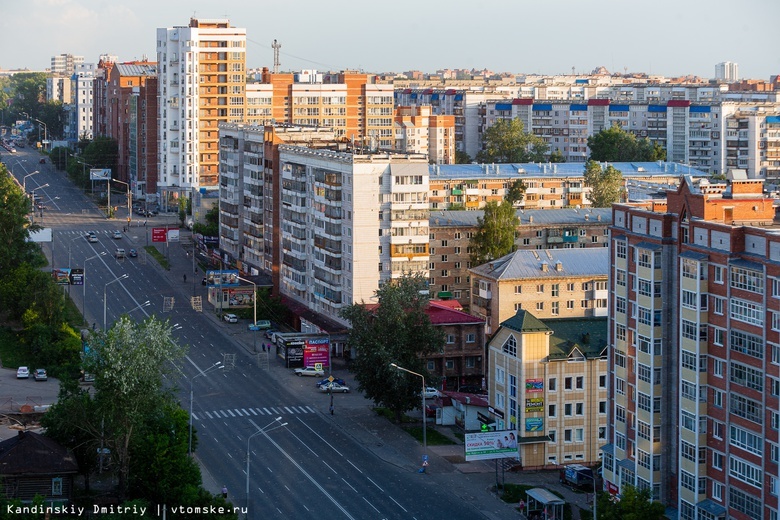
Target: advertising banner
x: 99, y: 174
x: 534, y: 385
x: 240, y: 296
x: 173, y: 235
x: 77, y: 276
x: 158, y: 234
x: 61, y: 275
x: 229, y: 278
x: 534, y: 424
x: 535, y: 404
x: 315, y: 350
x: 491, y: 445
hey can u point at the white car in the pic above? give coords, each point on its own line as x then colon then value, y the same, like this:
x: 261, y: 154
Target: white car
x: 430, y: 392
x: 334, y: 387
x: 117, y: 235
x: 23, y: 373
x: 230, y: 318
x: 309, y: 371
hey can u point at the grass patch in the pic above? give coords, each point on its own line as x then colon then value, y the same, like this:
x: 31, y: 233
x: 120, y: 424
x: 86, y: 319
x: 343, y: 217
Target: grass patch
x: 460, y: 435
x: 154, y: 253
x: 434, y: 438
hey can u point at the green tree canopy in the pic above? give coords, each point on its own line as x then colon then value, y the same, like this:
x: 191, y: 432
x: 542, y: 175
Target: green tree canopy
x: 633, y: 505
x: 396, y: 330
x: 557, y: 157
x: 14, y: 226
x: 516, y: 192
x: 506, y: 141
x: 606, y: 184
x: 462, y: 157
x: 211, y: 227
x: 616, y: 145
x: 495, y: 235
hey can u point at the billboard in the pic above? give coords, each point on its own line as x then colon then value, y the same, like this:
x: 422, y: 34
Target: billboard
x: 240, y: 296
x: 77, y: 276
x: 534, y: 385
x: 159, y: 234
x: 99, y: 174
x: 491, y: 445
x: 229, y: 278
x: 61, y: 275
x: 173, y: 235
x: 315, y: 350
x: 534, y: 424
x: 534, y: 404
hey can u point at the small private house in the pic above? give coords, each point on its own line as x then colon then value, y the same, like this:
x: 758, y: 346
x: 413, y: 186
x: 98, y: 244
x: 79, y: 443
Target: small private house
x: 32, y: 464
x: 464, y: 410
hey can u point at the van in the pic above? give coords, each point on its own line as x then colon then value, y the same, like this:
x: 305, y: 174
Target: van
x: 119, y: 253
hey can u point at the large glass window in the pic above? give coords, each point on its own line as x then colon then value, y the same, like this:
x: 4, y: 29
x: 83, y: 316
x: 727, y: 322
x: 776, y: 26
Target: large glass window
x: 747, y: 279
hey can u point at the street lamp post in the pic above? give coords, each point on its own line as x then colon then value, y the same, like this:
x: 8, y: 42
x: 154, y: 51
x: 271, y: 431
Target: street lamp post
x: 32, y: 195
x: 104, y: 296
x: 24, y: 180
x: 45, y: 131
x: 139, y: 306
x: 254, y: 301
x: 84, y: 285
x: 215, y: 366
x: 422, y: 396
x: 258, y: 432
x: 129, y: 200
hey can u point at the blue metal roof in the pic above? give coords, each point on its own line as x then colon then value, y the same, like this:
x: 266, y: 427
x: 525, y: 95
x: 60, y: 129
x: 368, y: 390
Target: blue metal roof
x: 773, y: 119
x: 581, y: 81
x: 414, y: 95
x: 434, y: 97
x: 458, y: 97
x: 578, y: 108
x: 503, y: 106
x: 542, y: 107
x: 656, y: 108
x: 699, y: 109
x: 618, y: 108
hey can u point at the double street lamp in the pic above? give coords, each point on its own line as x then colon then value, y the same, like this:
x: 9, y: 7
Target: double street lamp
x: 129, y: 199
x: 24, y: 179
x: 265, y: 429
x: 215, y: 366
x: 422, y: 396
x: 104, y: 296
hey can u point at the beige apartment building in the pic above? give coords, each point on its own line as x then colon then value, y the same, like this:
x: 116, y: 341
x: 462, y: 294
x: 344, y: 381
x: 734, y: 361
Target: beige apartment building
x: 548, y: 380
x: 452, y: 231
x: 557, y: 283
x: 417, y: 130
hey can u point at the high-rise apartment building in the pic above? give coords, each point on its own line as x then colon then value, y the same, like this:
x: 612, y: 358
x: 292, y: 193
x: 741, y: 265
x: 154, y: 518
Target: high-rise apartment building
x: 694, y: 296
x: 81, y: 126
x: 419, y: 131
x: 727, y: 71
x: 202, y: 82
x: 65, y: 64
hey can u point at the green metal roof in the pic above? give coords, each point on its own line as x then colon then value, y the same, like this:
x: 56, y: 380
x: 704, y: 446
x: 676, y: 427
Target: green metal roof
x: 524, y: 321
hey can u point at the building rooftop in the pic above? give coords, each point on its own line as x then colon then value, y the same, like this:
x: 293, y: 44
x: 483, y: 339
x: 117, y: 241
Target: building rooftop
x: 541, y: 217
x: 574, y: 336
x: 136, y: 69
x: 524, y: 321
x: 556, y: 170
x: 548, y: 263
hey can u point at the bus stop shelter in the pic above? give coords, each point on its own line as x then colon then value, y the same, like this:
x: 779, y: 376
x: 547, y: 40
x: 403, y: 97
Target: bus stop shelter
x: 543, y: 505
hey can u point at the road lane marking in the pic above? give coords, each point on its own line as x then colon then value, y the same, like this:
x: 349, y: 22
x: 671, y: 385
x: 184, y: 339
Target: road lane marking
x: 208, y: 415
x: 396, y: 503
x: 260, y: 411
x: 320, y: 436
x: 312, y: 410
x: 239, y: 413
x: 266, y: 411
x: 350, y: 485
x: 372, y: 505
x: 253, y: 411
x: 374, y: 483
x: 288, y: 410
x: 223, y: 413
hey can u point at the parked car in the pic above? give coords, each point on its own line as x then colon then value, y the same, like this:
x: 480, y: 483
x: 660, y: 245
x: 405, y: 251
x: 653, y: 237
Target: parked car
x: 334, y: 388
x: 335, y: 380
x: 269, y: 334
x: 40, y: 374
x: 22, y: 373
x: 260, y: 325
x: 117, y: 235
x: 430, y: 410
x: 133, y: 253
x: 309, y: 371
x: 42, y: 160
x: 230, y: 318
x: 430, y: 392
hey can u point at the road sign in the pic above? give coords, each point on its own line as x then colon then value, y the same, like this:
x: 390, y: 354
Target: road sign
x: 317, y: 366
x: 330, y: 378
x: 425, y: 458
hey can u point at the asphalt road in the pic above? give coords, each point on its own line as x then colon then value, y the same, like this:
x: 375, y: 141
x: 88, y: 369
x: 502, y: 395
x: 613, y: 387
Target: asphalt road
x: 311, y: 466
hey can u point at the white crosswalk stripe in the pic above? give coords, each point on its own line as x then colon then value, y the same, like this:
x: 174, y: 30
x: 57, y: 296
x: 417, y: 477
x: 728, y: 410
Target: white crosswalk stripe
x: 238, y: 413
x: 246, y: 412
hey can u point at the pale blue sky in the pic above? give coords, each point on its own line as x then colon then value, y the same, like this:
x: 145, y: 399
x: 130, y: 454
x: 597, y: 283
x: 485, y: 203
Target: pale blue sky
x: 544, y: 36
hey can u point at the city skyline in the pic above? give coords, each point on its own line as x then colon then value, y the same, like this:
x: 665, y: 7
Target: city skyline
x: 677, y: 38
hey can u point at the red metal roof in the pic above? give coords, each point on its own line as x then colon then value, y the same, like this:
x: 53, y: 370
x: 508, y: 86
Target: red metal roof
x: 678, y: 103
x: 450, y: 91
x: 428, y: 91
x: 474, y: 400
x: 598, y: 102
x: 407, y: 91
x: 523, y: 101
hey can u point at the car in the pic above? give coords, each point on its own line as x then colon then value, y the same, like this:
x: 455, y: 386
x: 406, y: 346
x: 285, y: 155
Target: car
x: 230, y: 318
x: 40, y: 374
x: 117, y: 235
x: 22, y: 373
x: 309, y: 371
x: 269, y: 334
x: 42, y: 160
x: 334, y: 388
x: 260, y: 325
x: 119, y: 253
x: 430, y: 392
x: 335, y: 380
x: 133, y: 253
x: 430, y: 410
x: 91, y: 237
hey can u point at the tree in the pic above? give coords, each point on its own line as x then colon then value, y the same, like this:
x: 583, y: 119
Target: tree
x: 616, y: 145
x: 516, y: 192
x: 59, y: 157
x: 129, y: 362
x: 14, y: 226
x: 211, y: 227
x: 606, y: 184
x: 633, y: 505
x: 507, y: 142
x: 462, y: 157
x: 557, y: 157
x: 396, y: 330
x: 495, y: 235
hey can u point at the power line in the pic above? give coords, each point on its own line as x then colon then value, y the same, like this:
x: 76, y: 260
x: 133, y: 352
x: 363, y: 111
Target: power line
x: 328, y: 66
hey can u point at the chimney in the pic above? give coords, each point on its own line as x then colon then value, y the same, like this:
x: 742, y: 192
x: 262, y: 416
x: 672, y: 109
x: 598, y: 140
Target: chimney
x: 545, y: 267
x: 530, y: 219
x: 558, y: 266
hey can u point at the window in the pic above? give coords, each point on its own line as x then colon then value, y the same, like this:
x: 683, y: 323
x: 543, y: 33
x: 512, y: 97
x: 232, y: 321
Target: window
x: 569, y: 304
x: 620, y: 277
x: 747, y: 279
x: 552, y: 383
x: 567, y: 409
x: 718, y: 367
x: 746, y: 440
x: 620, y: 414
x: 602, y: 407
x: 510, y: 346
x: 718, y: 274
x: 540, y: 288
x: 471, y: 337
x: 450, y: 339
x: 500, y: 375
x: 579, y: 434
x: 579, y: 408
x: 551, y: 435
x: 620, y: 359
x: 717, y: 336
x: 749, y: 312
x: 518, y: 289
x: 717, y: 460
x: 744, y: 503
x: 744, y: 471
x: 539, y: 306
x: 620, y: 305
x: 717, y: 429
x: 717, y: 305
x: 602, y: 381
x: 620, y: 249
x: 746, y: 376
x: 567, y: 435
x: 551, y: 410
x: 745, y: 408
x: 746, y: 343
x: 56, y: 486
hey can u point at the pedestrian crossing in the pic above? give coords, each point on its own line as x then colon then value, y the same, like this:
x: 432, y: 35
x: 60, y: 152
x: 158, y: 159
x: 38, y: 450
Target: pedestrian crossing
x: 230, y: 413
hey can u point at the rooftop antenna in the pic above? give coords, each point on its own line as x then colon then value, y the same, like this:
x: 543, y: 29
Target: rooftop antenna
x: 276, y: 46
